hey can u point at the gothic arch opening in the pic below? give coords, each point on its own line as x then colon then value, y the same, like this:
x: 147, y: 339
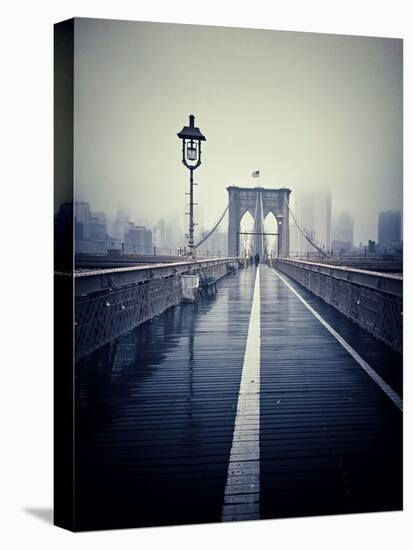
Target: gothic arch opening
x: 246, y: 242
x: 270, y: 242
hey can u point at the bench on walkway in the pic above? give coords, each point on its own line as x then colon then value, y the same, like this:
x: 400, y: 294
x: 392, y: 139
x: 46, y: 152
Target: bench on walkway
x: 207, y: 285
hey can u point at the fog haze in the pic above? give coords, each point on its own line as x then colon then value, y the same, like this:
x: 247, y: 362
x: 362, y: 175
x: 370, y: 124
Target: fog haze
x: 309, y: 111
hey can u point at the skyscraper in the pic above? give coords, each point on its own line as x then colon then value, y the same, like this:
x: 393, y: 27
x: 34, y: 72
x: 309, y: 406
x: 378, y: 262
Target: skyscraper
x: 82, y: 219
x: 122, y: 224
x: 97, y: 227
x: 159, y: 234
x: 343, y: 233
x: 314, y: 213
x: 138, y: 240
x: 390, y: 229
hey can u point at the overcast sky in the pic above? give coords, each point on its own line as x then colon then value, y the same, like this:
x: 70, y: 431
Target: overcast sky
x: 309, y: 110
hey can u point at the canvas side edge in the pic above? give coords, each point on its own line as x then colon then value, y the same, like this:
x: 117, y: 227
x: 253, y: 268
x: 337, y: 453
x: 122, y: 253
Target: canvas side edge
x: 64, y: 430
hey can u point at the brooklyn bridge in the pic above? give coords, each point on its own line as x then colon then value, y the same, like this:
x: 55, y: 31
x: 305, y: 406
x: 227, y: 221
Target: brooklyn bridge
x: 257, y: 385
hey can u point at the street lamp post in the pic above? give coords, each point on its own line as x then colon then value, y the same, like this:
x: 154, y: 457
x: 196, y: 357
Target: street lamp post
x: 191, y: 158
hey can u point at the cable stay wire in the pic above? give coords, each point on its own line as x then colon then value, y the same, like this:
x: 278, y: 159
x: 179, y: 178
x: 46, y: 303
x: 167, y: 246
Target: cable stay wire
x: 304, y: 233
x: 214, y: 227
x: 259, y: 204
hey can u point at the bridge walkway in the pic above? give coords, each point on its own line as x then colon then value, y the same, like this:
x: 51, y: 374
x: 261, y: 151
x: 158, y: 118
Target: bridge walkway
x: 240, y: 406
x: 330, y: 436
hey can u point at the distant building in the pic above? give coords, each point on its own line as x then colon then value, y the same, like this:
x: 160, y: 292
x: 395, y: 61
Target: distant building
x: 340, y: 247
x: 343, y: 233
x: 98, y: 217
x: 82, y: 220
x: 119, y: 229
x: 215, y: 245
x: 390, y: 229
x: 313, y: 211
x: 97, y: 227
x: 322, y: 222
x: 91, y: 235
x: 79, y: 235
x: 138, y: 240
x: 123, y: 214
x: 174, y: 237
x: 122, y: 224
x: 159, y: 234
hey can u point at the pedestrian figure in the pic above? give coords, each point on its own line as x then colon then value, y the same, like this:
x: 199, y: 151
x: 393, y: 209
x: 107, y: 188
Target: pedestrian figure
x: 251, y: 260
x: 257, y: 259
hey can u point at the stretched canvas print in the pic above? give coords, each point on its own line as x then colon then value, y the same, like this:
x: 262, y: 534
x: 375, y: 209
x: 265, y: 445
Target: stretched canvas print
x: 228, y: 274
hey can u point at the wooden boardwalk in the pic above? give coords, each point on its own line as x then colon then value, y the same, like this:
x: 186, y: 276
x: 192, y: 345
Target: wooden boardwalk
x: 159, y: 414
x: 330, y: 437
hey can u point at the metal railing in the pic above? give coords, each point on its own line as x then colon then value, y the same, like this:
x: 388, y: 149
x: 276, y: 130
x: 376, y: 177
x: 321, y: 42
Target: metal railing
x: 110, y: 302
x: 372, y: 300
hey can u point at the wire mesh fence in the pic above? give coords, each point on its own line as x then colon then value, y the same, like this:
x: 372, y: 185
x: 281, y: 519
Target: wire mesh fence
x: 378, y: 312
x: 103, y: 316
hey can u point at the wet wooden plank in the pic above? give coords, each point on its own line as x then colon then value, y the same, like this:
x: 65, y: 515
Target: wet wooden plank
x: 331, y: 440
x: 156, y: 414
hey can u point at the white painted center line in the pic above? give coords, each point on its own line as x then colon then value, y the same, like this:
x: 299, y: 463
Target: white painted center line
x: 242, y: 490
x: 363, y: 364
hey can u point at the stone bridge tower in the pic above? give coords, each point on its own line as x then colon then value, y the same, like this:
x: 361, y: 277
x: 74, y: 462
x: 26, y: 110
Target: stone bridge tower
x: 243, y: 199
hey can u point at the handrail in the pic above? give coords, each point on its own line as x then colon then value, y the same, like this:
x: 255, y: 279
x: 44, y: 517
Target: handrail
x: 303, y: 232
x: 381, y: 282
x: 145, y: 267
